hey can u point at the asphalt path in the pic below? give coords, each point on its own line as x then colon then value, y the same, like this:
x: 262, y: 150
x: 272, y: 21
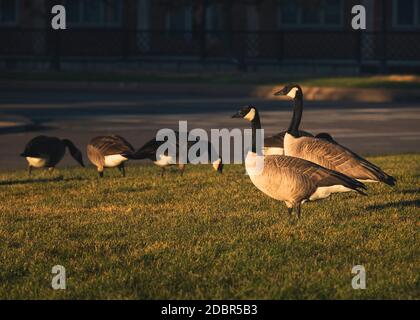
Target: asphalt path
x: 367, y: 128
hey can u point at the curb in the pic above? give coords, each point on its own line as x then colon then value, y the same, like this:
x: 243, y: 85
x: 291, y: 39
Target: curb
x: 377, y: 95
x: 11, y: 123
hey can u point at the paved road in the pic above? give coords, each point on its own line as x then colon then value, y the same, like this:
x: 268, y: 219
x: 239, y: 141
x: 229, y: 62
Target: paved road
x: 366, y: 128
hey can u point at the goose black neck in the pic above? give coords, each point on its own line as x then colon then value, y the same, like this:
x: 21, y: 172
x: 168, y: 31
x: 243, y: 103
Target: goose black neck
x: 256, y: 125
x: 297, y: 116
x: 74, y: 152
x: 72, y: 148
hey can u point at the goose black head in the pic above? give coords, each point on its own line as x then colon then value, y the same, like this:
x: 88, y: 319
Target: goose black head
x: 247, y: 112
x: 291, y: 90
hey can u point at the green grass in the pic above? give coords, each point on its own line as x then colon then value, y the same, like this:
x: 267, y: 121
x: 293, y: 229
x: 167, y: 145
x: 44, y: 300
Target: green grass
x: 392, y: 81
x: 204, y: 235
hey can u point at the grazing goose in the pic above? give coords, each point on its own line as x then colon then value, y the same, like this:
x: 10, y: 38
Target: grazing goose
x: 291, y: 179
x: 324, y: 150
x: 47, y: 152
x: 107, y: 152
x: 149, y: 151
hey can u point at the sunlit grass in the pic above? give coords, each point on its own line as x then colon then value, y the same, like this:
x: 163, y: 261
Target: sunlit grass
x: 204, y: 235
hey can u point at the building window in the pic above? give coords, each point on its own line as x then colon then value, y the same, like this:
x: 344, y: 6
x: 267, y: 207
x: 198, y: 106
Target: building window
x: 179, y: 19
x: 214, y: 17
x: 96, y: 13
x: 301, y: 14
x: 289, y: 12
x: 8, y: 12
x: 406, y: 13
x: 332, y: 12
x: 310, y: 14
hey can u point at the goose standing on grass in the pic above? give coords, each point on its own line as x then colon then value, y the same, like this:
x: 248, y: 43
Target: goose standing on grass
x: 291, y: 179
x: 325, y: 151
x: 107, y: 152
x: 47, y: 152
x: 149, y: 151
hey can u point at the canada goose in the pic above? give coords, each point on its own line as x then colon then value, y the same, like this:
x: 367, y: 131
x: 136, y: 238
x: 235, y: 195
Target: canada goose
x: 326, y: 151
x: 107, y: 152
x: 46, y: 152
x: 149, y: 151
x: 289, y: 179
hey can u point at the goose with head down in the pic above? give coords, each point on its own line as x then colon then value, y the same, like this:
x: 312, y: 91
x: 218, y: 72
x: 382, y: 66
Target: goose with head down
x: 150, y: 151
x: 47, y: 152
x: 108, y: 152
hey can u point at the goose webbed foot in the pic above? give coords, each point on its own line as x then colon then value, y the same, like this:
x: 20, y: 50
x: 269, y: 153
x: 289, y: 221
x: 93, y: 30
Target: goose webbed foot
x: 101, y: 174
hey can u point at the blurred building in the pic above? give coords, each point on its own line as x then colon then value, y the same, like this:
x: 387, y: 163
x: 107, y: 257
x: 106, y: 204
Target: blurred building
x: 289, y: 34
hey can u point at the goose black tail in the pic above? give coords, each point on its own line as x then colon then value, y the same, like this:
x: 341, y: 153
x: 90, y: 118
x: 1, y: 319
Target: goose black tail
x: 138, y: 155
x: 378, y: 173
x: 389, y: 180
x: 351, y: 183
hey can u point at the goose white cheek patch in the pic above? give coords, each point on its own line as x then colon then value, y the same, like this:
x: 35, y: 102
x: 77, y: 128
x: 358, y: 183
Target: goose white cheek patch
x: 292, y: 93
x: 250, y: 115
x: 216, y: 164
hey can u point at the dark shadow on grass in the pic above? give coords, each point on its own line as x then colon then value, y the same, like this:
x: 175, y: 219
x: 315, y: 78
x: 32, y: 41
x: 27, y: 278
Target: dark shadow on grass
x: 411, y: 191
x: 398, y: 204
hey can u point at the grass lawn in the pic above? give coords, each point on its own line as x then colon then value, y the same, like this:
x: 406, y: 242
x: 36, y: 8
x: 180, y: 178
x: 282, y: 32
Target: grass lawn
x: 204, y: 235
x: 389, y: 81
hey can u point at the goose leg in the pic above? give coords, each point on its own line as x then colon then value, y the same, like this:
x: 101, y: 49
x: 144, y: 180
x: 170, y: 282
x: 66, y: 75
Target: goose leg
x: 181, y: 169
x: 289, y: 208
x: 297, y: 208
x: 162, y: 172
x: 29, y: 170
x: 101, y: 172
x: 121, y: 167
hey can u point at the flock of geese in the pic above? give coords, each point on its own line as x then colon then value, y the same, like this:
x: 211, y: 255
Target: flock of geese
x: 297, y: 166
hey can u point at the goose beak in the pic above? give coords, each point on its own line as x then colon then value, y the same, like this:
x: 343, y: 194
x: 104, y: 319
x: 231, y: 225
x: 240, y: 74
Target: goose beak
x: 282, y: 92
x: 237, y: 115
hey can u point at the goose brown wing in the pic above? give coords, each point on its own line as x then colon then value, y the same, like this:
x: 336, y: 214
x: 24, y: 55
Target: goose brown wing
x: 319, y: 176
x: 334, y: 156
x: 109, y: 145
